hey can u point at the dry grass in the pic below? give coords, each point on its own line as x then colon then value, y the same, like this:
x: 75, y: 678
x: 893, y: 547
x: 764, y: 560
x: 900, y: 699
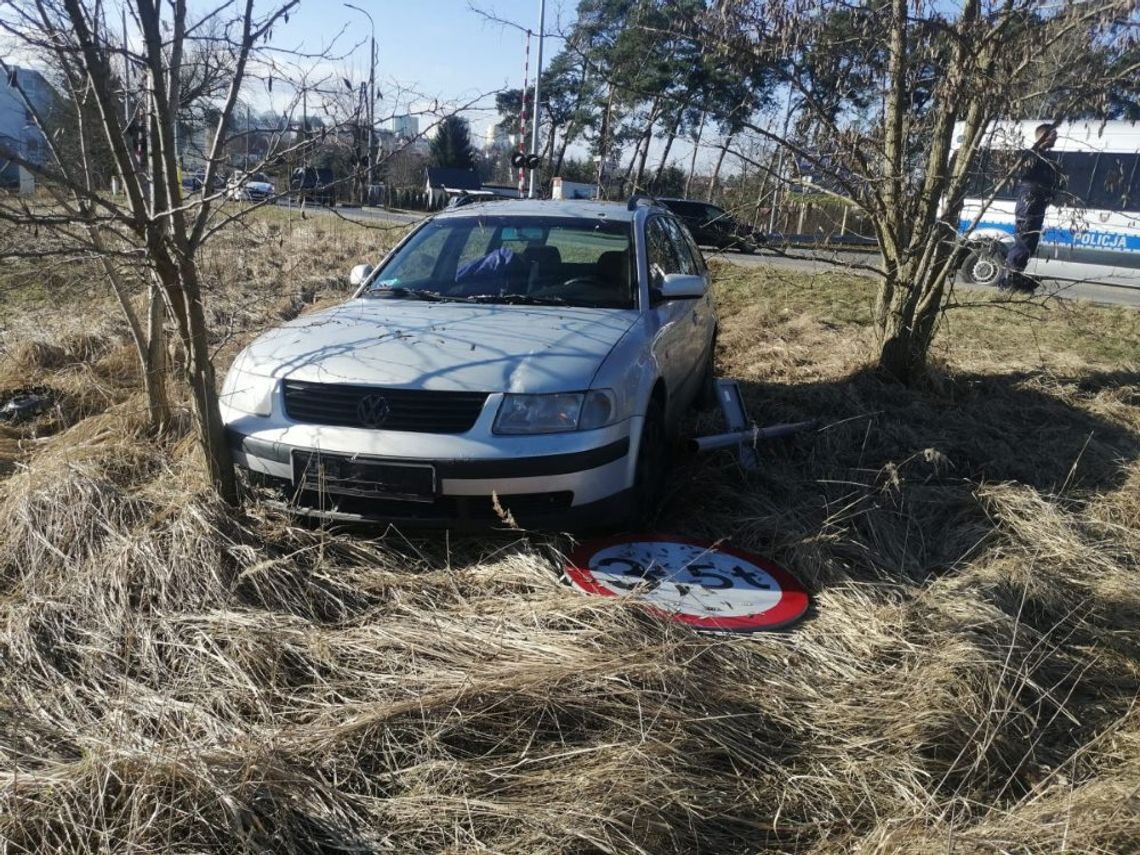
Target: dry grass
x: 175, y: 677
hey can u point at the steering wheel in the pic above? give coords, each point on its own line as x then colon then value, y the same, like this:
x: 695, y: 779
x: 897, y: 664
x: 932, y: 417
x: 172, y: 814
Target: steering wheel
x: 582, y: 280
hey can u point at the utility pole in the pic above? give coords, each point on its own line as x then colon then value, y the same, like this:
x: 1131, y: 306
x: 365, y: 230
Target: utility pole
x: 537, y: 87
x: 371, y: 96
x: 522, y: 113
x: 126, y: 74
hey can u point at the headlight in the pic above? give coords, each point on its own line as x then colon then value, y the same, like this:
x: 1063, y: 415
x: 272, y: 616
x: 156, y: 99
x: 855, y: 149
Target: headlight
x: 558, y: 413
x: 248, y: 393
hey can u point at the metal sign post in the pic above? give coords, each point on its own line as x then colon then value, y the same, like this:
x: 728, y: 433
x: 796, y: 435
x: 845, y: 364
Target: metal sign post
x: 742, y: 433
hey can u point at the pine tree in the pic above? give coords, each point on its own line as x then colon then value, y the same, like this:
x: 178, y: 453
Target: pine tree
x: 451, y: 146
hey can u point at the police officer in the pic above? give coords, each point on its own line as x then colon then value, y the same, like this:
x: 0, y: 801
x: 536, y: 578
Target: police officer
x: 1039, y: 180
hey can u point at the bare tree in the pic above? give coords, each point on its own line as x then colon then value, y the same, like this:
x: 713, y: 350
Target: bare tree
x: 879, y: 86
x: 148, y: 227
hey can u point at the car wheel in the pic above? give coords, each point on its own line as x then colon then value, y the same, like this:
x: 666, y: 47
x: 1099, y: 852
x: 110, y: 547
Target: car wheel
x: 984, y: 266
x: 652, y: 467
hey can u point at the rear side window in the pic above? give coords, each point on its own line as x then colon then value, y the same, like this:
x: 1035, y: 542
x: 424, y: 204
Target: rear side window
x: 686, y: 209
x: 1113, y: 183
x: 992, y: 174
x: 660, y: 251
x: 1133, y: 201
x: 695, y: 250
x: 577, y: 246
x: 1077, y: 167
x: 686, y: 263
x: 1092, y: 180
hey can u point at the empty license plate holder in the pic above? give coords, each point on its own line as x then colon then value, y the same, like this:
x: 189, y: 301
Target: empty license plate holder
x: 367, y: 477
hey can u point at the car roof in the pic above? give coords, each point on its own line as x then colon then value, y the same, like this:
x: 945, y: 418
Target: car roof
x: 615, y: 211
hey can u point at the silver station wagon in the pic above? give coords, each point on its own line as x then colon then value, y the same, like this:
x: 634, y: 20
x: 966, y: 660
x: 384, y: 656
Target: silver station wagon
x: 520, y: 361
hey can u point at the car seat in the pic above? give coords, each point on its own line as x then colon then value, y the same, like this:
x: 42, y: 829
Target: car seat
x: 545, y: 265
x: 613, y: 271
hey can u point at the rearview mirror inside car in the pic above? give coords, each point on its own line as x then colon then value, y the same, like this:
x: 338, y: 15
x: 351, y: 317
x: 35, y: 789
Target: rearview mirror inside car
x: 521, y: 233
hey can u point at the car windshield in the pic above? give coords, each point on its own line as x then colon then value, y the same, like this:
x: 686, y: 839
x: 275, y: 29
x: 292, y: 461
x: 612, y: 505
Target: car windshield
x: 514, y: 260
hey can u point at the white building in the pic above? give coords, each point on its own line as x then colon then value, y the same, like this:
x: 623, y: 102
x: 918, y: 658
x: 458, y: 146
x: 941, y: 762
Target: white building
x: 19, y: 135
x: 406, y: 127
x: 497, y: 139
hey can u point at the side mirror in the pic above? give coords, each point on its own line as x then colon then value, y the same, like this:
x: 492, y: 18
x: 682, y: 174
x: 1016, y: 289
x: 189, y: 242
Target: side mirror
x: 359, y: 274
x: 682, y: 286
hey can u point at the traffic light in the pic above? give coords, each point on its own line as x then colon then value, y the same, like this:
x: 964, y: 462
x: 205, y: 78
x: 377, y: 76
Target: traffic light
x: 525, y: 161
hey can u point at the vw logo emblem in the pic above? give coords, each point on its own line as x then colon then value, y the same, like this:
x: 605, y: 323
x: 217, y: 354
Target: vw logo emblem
x: 373, y: 411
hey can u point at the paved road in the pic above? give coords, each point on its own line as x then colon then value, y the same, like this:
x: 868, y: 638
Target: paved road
x: 820, y: 261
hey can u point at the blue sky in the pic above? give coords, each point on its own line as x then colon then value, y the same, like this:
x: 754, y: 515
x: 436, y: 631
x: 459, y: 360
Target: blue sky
x: 442, y: 49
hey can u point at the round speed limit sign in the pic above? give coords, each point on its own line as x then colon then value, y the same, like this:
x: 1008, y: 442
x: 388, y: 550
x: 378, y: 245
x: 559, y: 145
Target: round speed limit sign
x: 708, y: 586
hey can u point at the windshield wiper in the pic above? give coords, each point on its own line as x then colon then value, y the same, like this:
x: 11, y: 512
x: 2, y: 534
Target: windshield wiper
x: 401, y: 292
x: 517, y: 300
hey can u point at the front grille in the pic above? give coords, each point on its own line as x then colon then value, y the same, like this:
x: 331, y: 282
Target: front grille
x: 416, y: 410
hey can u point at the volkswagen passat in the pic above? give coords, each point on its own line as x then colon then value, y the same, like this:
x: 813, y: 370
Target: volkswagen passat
x: 527, y: 361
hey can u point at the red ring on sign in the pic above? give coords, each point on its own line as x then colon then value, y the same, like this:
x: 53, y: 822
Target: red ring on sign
x: 791, y: 606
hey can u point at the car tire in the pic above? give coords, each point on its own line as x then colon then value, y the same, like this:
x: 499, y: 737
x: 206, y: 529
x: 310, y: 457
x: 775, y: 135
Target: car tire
x: 984, y: 266
x: 652, y: 467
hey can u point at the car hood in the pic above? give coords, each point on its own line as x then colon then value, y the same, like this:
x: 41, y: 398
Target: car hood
x: 445, y: 346
x: 258, y: 186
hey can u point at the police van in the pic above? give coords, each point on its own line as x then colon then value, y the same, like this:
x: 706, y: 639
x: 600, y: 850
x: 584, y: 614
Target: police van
x: 1092, y: 227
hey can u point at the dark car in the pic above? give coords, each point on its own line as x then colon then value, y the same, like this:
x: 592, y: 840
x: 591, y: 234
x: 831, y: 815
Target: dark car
x: 714, y: 226
x: 192, y: 182
x: 314, y: 185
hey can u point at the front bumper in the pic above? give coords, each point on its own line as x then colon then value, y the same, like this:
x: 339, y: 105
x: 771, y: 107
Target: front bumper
x: 562, y: 490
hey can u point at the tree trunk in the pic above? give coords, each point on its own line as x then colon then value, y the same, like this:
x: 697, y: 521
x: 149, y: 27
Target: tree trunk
x: 154, y: 364
x: 627, y: 179
x: 635, y: 172
x: 693, y: 159
x: 200, y: 376
x: 153, y: 370
x: 603, y: 143
x: 716, y: 171
x: 548, y: 173
x: 665, y: 154
x: 556, y: 167
x: 643, y: 154
x: 767, y: 181
x: 904, y: 340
